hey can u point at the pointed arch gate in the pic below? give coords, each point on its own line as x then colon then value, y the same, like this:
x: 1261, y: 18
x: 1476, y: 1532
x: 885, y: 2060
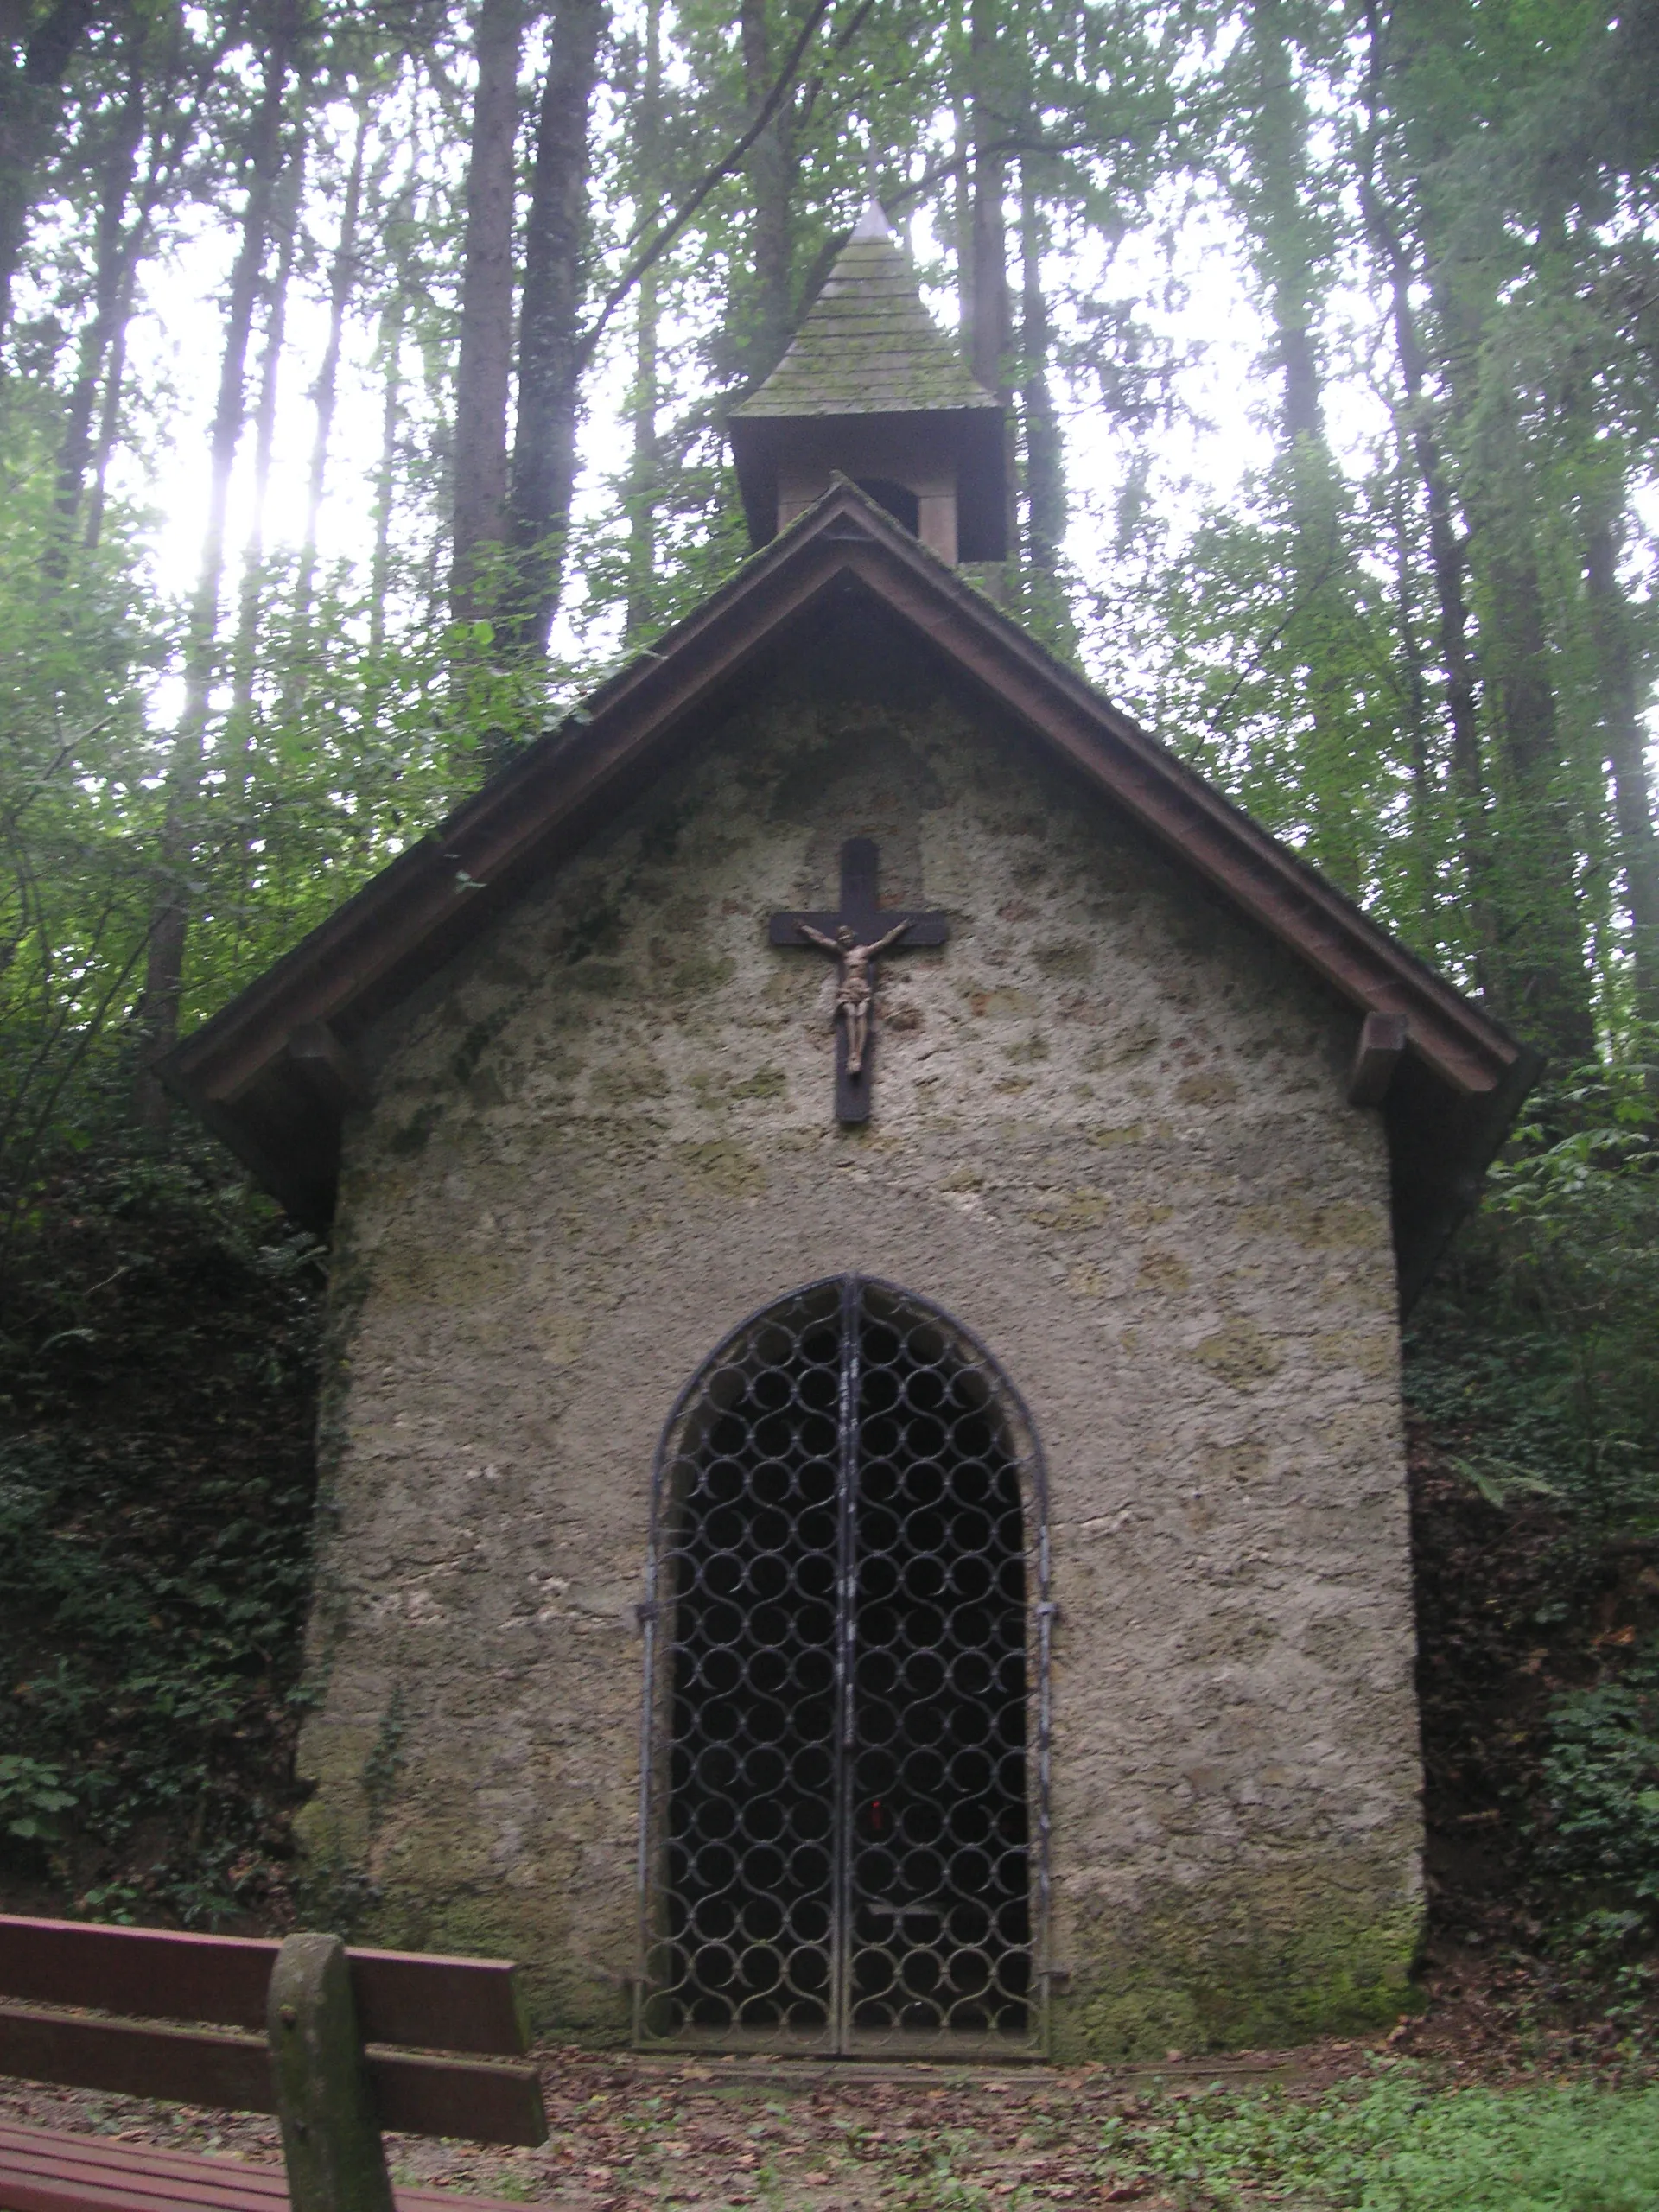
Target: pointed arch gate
x: 843, y: 1826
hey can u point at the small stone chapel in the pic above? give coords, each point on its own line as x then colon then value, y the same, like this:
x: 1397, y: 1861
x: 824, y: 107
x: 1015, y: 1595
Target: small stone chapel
x: 862, y: 1504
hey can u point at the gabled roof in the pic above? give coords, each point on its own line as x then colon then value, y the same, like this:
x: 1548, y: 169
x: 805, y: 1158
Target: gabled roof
x: 869, y: 346
x: 273, y: 1073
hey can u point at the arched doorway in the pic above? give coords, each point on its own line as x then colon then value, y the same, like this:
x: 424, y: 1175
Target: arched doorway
x: 843, y: 1822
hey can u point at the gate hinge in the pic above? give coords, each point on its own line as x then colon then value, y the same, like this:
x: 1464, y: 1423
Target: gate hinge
x: 1048, y: 1610
x: 646, y: 1614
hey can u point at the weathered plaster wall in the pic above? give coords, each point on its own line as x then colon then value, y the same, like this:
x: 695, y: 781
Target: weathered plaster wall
x: 1109, y: 1136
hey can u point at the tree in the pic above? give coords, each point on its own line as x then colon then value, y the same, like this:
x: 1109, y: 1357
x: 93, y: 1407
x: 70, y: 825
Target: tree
x: 484, y: 355
x: 170, y: 915
x: 549, y: 329
x: 37, y: 47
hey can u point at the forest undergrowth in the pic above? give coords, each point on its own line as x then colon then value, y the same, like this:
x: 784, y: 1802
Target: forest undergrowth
x: 158, y: 1333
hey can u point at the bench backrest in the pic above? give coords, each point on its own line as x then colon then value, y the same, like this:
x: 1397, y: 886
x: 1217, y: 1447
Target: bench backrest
x: 409, y: 2006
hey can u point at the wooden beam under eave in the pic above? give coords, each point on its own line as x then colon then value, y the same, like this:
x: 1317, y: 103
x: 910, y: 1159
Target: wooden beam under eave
x: 1382, y: 1040
x: 329, y: 1070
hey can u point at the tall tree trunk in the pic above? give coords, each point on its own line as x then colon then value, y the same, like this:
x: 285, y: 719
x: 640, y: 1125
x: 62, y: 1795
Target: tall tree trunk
x: 109, y: 408
x: 1421, y: 837
x: 390, y: 350
x: 1540, y: 970
x: 646, y: 462
x: 31, y: 83
x: 1280, y: 190
x: 1546, y: 987
x: 768, y: 170
x: 342, y: 275
x: 962, y: 223
x: 990, y: 317
x: 484, y: 367
x: 109, y: 266
x: 1521, y: 849
x: 1045, y: 453
x: 1626, y: 740
x: 438, y: 395
x: 167, y: 151
x: 989, y: 349
x: 169, y: 916
x: 545, y: 443
x: 244, y: 652
x: 1447, y: 560
x: 1290, y: 261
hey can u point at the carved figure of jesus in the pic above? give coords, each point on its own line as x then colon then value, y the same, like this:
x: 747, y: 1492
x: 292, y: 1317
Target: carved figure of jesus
x: 854, y: 982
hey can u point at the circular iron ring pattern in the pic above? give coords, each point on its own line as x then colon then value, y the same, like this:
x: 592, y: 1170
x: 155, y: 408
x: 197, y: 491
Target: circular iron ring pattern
x: 843, y: 1824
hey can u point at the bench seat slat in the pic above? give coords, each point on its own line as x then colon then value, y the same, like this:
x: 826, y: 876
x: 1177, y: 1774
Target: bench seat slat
x: 199, y: 2185
x: 44, y: 2169
x: 478, y: 2099
x: 431, y: 2002
x: 38, y: 2192
x: 17, y: 2142
x: 193, y: 2177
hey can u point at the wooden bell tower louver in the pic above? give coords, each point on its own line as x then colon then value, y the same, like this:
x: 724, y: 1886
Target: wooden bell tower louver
x: 872, y: 389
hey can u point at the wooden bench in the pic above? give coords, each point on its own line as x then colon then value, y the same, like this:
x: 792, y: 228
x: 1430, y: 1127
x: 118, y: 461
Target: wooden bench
x: 338, y: 2043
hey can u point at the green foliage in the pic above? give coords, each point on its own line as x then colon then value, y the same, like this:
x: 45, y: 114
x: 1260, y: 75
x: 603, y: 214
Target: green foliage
x: 1601, y: 1804
x: 1396, y: 2145
x: 156, y: 1352
x: 77, y: 819
x: 1290, y: 637
x: 1279, y: 681
x: 343, y: 753
x: 31, y: 1798
x: 1535, y: 1365
x: 1540, y: 1355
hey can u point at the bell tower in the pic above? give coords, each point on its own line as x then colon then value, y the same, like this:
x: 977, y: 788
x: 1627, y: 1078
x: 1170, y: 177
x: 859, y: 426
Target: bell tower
x: 874, y: 389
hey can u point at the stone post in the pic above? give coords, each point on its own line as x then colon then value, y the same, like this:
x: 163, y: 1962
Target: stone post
x: 331, y: 2132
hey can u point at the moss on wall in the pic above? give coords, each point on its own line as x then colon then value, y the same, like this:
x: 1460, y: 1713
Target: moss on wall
x: 1249, y: 1965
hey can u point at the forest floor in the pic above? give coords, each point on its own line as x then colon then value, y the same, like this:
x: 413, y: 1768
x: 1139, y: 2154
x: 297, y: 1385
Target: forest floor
x: 643, y: 2133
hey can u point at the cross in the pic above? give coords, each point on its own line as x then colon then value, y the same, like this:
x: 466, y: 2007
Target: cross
x: 873, y: 930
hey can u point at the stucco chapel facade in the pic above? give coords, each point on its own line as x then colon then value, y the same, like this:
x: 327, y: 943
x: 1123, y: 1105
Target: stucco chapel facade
x: 912, y: 1556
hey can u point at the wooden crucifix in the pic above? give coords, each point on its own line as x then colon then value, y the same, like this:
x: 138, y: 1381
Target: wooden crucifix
x: 857, y: 938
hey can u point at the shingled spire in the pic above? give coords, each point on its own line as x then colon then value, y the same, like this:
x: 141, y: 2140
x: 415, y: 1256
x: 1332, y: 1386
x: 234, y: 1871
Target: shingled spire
x: 873, y: 388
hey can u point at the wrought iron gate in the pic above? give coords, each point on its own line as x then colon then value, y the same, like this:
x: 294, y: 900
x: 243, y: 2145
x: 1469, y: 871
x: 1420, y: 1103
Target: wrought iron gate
x: 844, y: 1791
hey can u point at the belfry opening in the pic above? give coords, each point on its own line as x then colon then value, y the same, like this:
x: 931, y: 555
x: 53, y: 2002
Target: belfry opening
x: 843, y: 1819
